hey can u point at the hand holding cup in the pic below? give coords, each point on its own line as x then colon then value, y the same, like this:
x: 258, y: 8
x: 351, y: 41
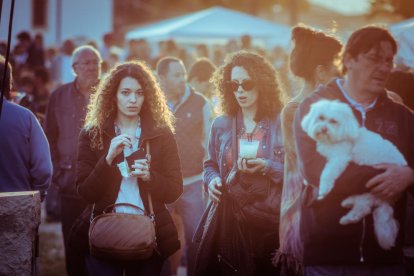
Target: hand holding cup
x: 141, y: 169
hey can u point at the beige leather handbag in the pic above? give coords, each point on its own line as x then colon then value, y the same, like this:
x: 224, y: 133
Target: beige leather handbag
x: 123, y: 237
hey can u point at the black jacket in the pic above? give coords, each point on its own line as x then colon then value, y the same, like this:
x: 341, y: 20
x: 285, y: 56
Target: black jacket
x: 326, y: 242
x: 99, y: 183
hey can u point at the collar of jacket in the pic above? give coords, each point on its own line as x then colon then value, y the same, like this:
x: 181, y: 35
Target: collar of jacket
x: 148, y: 129
x: 264, y: 123
x: 337, y: 94
x: 332, y: 92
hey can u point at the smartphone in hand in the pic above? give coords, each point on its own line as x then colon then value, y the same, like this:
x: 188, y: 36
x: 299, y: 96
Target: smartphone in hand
x: 139, y: 154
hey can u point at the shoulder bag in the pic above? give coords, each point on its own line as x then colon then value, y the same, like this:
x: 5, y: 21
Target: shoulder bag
x: 123, y: 237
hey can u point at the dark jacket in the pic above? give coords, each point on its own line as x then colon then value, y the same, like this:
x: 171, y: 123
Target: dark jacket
x: 99, y: 183
x: 402, y: 83
x: 326, y: 242
x: 219, y: 232
x: 64, y: 120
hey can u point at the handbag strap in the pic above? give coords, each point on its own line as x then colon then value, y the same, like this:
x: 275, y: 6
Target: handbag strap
x: 148, y: 156
x: 121, y: 204
x: 151, y: 209
x: 234, y: 141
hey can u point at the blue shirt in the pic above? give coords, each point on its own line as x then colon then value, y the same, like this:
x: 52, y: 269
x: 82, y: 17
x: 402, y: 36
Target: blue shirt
x: 25, y: 163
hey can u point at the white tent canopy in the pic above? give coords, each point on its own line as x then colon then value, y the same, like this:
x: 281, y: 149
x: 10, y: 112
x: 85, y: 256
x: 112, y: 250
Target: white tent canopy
x: 214, y: 26
x: 404, y: 34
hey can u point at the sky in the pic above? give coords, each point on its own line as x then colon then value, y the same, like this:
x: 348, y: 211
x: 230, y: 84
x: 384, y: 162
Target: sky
x: 347, y: 7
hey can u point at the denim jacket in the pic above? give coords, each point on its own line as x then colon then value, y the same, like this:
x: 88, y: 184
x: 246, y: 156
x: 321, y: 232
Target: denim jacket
x: 220, y: 143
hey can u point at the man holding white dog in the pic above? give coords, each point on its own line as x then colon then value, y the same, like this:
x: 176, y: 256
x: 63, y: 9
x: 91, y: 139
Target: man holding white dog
x: 329, y: 247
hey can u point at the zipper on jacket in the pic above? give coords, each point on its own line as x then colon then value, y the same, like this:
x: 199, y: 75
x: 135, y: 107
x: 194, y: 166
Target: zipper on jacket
x: 361, y: 249
x: 226, y: 262
x: 364, y: 116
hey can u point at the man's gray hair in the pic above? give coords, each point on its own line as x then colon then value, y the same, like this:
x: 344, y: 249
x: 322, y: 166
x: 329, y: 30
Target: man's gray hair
x: 84, y: 48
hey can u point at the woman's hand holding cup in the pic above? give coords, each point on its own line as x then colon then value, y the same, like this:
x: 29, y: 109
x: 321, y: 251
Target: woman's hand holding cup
x: 250, y: 165
x: 141, y: 169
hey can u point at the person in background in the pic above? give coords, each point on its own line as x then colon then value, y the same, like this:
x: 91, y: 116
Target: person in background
x: 193, y: 114
x: 201, y: 51
x: 246, y: 42
x: 128, y: 111
x: 61, y: 67
x: 314, y: 59
x: 36, y: 52
x: 26, y: 86
x: 41, y: 89
x: 139, y: 49
x: 25, y: 163
x: 64, y: 120
x: 401, y: 81
x: 20, y: 52
x: 199, y: 79
x: 108, y: 40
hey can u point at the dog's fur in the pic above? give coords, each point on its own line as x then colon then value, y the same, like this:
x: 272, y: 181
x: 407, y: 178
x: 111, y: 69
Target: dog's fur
x: 341, y: 140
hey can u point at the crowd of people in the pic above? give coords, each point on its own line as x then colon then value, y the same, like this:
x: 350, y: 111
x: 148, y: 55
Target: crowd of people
x: 233, y: 176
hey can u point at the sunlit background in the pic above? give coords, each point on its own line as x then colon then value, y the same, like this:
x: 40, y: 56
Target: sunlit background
x: 90, y: 19
x: 194, y: 25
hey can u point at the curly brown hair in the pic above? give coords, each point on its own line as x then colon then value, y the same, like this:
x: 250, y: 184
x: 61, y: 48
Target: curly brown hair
x: 261, y: 72
x: 103, y: 105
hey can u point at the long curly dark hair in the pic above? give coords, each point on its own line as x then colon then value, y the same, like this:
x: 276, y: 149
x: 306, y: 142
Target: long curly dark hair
x: 103, y: 105
x: 261, y: 72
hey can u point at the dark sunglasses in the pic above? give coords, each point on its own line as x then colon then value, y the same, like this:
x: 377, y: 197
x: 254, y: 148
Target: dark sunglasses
x: 247, y: 85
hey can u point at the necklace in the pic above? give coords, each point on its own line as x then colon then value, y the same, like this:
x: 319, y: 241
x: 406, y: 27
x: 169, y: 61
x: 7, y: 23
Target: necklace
x: 250, y: 134
x: 118, y: 130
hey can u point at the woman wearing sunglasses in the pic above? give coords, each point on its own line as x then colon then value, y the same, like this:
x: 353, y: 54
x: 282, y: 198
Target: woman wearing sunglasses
x: 127, y: 111
x: 243, y: 173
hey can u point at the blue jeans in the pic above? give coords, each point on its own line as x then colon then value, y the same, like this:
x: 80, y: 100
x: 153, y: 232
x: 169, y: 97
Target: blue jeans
x: 150, y: 267
x: 369, y: 270
x: 190, y: 207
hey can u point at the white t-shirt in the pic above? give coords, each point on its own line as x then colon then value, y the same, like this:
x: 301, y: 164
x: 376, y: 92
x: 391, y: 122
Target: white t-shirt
x: 129, y: 192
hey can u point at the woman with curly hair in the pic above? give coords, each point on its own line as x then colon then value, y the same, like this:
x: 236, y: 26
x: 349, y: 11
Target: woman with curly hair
x: 128, y: 111
x: 243, y: 172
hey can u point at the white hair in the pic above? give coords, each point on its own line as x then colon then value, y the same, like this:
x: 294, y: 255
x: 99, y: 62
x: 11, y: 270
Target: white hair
x: 81, y: 49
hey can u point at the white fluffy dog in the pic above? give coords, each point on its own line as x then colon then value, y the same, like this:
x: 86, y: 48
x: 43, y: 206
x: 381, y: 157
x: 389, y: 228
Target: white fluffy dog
x: 341, y: 140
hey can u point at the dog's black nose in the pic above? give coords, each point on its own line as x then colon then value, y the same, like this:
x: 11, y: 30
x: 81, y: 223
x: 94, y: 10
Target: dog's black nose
x: 324, y: 129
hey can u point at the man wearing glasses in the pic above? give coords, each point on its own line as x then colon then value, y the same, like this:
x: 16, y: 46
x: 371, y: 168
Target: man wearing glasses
x: 65, y: 117
x: 330, y: 248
